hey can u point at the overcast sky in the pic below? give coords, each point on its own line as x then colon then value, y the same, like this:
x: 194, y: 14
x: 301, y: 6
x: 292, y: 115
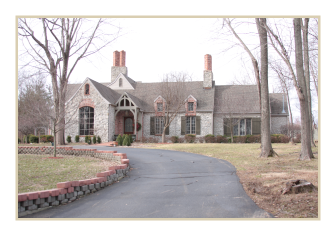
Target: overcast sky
x: 155, y: 46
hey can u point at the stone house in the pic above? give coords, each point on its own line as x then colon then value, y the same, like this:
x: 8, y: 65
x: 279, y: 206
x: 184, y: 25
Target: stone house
x: 111, y: 108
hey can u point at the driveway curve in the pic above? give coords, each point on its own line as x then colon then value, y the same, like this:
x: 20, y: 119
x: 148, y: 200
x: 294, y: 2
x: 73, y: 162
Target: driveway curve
x: 165, y: 184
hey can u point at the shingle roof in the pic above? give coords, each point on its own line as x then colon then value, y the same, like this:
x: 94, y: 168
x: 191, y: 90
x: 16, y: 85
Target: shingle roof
x: 146, y: 93
x: 236, y: 99
x: 223, y: 98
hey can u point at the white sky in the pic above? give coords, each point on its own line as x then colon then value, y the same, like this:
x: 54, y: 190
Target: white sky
x: 155, y: 46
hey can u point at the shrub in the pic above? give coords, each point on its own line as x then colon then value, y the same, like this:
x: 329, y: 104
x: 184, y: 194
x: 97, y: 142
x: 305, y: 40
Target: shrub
x: 77, y: 138
x: 209, y: 138
x: 131, y: 138
x: 239, y: 139
x: 119, y: 140
x: 69, y: 139
x: 94, y: 139
x: 221, y: 139
x: 200, y: 140
x: 297, y: 138
x: 98, y: 139
x: 89, y: 140
x: 190, y: 138
x: 126, y: 141
x: 181, y: 140
x: 284, y: 139
x: 33, y: 139
x: 254, y: 139
x: 50, y: 138
x: 174, y: 139
x: 43, y: 139
x: 19, y: 140
x: 26, y: 138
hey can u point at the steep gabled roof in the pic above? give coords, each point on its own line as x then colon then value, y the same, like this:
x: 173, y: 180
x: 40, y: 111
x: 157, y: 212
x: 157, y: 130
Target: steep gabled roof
x: 108, y: 94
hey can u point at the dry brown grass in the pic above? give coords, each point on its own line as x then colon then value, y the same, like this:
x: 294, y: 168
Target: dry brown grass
x: 264, y: 178
x: 36, y: 172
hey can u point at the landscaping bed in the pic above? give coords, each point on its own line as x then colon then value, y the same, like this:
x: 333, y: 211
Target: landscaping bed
x: 263, y: 179
x: 38, y: 172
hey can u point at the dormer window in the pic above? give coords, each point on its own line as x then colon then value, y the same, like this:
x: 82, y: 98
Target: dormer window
x: 190, y: 106
x: 159, y: 106
x: 120, y: 82
x: 87, y: 89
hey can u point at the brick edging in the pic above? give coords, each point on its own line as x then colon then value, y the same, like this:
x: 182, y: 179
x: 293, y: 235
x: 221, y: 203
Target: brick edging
x: 66, y: 192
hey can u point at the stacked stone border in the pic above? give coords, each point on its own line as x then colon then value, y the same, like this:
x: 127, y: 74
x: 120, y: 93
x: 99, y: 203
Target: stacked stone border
x: 107, y: 155
x: 66, y: 192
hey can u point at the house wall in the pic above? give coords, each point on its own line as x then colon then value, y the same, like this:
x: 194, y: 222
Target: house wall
x: 102, y: 113
x: 175, y: 126
x: 277, y: 122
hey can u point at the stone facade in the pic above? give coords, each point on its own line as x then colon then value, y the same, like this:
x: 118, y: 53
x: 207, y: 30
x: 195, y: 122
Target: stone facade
x: 277, y: 122
x: 102, y: 113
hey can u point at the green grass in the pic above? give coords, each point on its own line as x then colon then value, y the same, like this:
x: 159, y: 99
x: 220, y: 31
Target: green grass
x: 36, y: 172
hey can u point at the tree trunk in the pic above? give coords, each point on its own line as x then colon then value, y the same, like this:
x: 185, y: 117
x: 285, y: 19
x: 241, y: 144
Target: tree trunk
x: 266, y: 145
x: 307, y: 76
x: 54, y: 139
x: 164, y: 135
x: 306, y: 152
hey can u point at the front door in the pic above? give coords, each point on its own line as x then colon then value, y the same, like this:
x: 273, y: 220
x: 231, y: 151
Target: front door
x: 128, y: 129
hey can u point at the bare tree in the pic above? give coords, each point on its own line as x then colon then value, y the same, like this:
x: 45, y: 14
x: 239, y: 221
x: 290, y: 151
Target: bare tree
x: 279, y: 46
x: 261, y: 77
x: 56, y: 46
x: 266, y: 145
x: 306, y: 152
x: 174, y: 89
x: 34, y: 102
x: 285, y: 86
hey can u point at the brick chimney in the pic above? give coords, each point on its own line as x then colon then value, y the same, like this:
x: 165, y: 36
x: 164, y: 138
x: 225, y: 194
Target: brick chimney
x: 207, y: 74
x: 119, y: 64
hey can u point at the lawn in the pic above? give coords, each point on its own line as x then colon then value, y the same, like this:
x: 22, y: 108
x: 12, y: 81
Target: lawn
x: 264, y: 178
x: 37, y: 172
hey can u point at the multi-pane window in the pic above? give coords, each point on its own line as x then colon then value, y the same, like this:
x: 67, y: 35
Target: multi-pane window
x: 87, y: 89
x: 243, y: 127
x: 86, y: 121
x: 191, y: 125
x: 159, y: 124
x: 190, y: 106
x: 159, y: 106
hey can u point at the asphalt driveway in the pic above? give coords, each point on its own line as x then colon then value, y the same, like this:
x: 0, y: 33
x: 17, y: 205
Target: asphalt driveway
x: 165, y: 184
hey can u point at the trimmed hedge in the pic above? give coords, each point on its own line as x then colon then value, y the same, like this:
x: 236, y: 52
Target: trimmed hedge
x: 69, y: 139
x: 77, y: 138
x: 209, y: 138
x: 174, y: 139
x: 99, y: 139
x: 190, y: 138
x: 33, y: 139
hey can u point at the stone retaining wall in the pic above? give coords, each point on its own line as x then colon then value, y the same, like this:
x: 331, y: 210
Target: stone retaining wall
x: 66, y: 192
x: 107, y: 155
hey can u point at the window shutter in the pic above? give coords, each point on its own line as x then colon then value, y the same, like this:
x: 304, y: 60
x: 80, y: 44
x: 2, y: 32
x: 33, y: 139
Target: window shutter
x: 167, y: 129
x: 152, y: 126
x: 198, y: 125
x: 256, y: 125
x: 183, y: 125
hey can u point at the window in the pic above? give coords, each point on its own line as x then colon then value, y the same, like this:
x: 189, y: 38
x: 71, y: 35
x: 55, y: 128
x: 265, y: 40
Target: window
x: 159, y: 124
x: 120, y: 82
x: 190, y: 106
x: 87, y: 89
x: 243, y: 127
x: 86, y: 121
x: 191, y: 125
x: 159, y: 106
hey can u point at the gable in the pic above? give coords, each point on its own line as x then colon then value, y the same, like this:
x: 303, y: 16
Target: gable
x: 121, y: 83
